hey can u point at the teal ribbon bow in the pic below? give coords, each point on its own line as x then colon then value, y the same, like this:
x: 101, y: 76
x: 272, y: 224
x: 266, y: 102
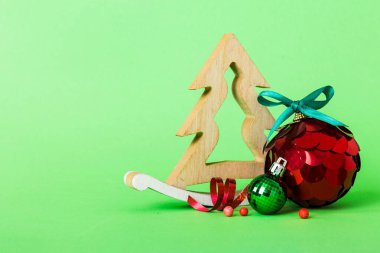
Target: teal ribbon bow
x: 308, y: 106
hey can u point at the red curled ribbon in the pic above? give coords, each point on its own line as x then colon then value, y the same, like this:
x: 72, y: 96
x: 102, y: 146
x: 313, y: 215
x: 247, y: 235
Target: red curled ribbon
x: 222, y: 195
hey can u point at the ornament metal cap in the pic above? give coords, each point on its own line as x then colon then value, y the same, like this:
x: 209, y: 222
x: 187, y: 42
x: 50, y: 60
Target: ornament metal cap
x: 278, y: 168
x: 298, y: 116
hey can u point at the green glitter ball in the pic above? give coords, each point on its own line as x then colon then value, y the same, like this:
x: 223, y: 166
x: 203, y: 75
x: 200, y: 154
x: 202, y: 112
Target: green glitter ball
x: 266, y: 195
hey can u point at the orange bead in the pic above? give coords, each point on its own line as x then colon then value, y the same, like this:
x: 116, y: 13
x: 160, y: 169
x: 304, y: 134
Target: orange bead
x: 303, y: 213
x: 243, y: 211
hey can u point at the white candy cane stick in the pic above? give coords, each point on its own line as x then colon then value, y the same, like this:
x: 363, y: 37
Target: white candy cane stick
x: 142, y: 181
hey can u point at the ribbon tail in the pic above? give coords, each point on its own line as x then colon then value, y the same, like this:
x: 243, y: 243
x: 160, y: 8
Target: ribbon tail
x: 196, y: 205
x: 240, y: 198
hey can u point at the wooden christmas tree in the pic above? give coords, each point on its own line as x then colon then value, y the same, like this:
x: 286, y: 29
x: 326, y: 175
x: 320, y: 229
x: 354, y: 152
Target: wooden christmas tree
x: 192, y: 167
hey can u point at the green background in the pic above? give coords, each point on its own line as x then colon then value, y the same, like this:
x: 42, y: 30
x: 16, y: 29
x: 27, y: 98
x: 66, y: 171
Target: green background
x: 92, y: 89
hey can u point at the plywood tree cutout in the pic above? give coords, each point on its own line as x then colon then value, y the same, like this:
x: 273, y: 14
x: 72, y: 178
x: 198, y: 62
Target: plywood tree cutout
x: 192, y: 168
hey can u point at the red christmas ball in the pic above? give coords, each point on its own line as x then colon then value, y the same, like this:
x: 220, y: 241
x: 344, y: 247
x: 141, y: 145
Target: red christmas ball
x: 322, y: 161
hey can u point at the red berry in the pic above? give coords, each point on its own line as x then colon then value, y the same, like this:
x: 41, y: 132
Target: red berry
x: 228, y: 211
x: 243, y: 211
x: 303, y: 213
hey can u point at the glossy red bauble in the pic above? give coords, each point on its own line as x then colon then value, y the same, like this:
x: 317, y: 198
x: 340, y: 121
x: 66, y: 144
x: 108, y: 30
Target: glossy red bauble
x: 322, y: 161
